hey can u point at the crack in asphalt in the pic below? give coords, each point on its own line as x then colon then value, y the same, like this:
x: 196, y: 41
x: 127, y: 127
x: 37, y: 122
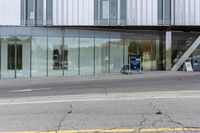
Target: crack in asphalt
x: 63, y: 118
x: 170, y: 120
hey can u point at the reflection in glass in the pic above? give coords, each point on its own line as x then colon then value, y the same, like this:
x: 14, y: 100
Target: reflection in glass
x: 151, y: 52
x: 11, y: 56
x: 7, y: 59
x: 71, y: 56
x: 113, y: 11
x: 23, y: 56
x: 116, y: 55
x: 55, y: 56
x: 101, y: 55
x: 39, y: 56
x: 86, y: 56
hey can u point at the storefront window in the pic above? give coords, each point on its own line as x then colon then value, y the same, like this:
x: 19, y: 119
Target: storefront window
x: 55, y: 56
x: 116, y: 55
x: 71, y: 56
x: 39, y: 56
x: 181, y: 42
x: 23, y: 56
x: 101, y: 55
x: 86, y: 56
x: 8, y: 59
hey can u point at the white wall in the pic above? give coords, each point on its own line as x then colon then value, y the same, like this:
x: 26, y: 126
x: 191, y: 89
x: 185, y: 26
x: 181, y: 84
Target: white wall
x: 10, y: 12
x: 73, y: 12
x: 187, y: 12
x: 142, y: 12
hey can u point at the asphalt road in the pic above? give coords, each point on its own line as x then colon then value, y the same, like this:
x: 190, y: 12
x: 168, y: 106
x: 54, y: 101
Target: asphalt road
x: 89, y: 85
x: 153, y: 102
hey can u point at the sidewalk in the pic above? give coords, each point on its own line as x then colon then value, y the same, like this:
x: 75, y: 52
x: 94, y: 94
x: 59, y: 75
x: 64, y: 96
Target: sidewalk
x: 113, y: 77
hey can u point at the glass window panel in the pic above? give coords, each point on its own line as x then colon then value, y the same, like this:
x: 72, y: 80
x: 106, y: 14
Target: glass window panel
x: 116, y: 55
x: 147, y: 50
x: 11, y: 56
x: 23, y: 56
x: 160, y: 12
x: 130, y: 47
x: 105, y: 9
x: 113, y: 11
x: 55, y: 56
x: 123, y: 12
x: 71, y: 57
x: 39, y: 56
x: 101, y: 55
x: 7, y: 61
x: 49, y: 11
x: 164, y: 12
x: 30, y: 10
x: 39, y: 12
x: 167, y: 11
x: 104, y: 12
x: 23, y: 10
x: 96, y: 8
x: 86, y: 56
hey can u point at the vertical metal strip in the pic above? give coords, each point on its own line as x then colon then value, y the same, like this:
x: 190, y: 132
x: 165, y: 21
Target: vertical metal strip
x: 30, y: 54
x: 15, y: 43
x: 62, y: 52
x: 94, y: 54
x: 0, y: 54
x: 79, y: 72
x: 47, y: 30
x: 123, y: 37
x: 119, y: 12
x: 109, y: 49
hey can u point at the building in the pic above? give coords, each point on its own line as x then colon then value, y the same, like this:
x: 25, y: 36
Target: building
x: 41, y: 38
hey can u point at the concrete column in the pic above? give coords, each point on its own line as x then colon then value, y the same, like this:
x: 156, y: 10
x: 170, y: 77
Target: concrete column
x: 168, y: 46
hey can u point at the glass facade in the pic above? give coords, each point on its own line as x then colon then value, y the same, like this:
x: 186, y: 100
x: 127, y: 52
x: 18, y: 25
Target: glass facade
x: 164, y: 12
x: 110, y: 12
x: 180, y: 44
x: 34, y: 12
x: 72, y: 57
x: 42, y: 52
x: 39, y: 56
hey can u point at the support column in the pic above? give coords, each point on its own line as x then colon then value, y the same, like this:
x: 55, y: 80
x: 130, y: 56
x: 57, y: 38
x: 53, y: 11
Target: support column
x: 168, y: 46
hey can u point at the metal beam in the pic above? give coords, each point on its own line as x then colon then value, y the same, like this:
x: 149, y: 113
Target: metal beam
x: 186, y: 54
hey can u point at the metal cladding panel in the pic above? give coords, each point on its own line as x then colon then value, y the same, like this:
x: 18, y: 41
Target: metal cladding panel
x: 10, y: 12
x: 142, y: 12
x: 187, y: 12
x: 73, y: 12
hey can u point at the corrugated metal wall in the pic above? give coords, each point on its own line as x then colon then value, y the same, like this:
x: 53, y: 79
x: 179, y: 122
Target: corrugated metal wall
x: 10, y: 12
x: 73, y: 12
x: 142, y: 12
x: 187, y: 12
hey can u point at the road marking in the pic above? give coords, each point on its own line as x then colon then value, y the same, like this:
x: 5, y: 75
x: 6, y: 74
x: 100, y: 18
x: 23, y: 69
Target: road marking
x: 114, y: 130
x: 29, y: 90
x: 101, y: 97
